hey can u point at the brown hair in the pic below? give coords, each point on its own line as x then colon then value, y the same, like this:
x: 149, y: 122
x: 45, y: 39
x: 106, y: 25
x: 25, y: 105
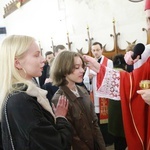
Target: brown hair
x: 63, y: 65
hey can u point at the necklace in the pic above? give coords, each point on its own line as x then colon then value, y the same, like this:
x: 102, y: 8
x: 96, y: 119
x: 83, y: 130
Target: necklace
x: 75, y: 92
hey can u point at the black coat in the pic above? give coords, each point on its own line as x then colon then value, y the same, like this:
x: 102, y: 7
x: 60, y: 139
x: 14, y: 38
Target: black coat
x: 32, y: 127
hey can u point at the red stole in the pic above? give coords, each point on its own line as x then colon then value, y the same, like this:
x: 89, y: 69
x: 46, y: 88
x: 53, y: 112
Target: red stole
x: 103, y: 102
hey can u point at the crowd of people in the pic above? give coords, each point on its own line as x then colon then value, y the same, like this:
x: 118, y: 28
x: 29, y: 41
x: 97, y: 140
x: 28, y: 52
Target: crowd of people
x: 56, y: 102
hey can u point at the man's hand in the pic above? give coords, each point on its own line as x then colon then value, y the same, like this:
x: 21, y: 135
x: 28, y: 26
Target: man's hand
x: 91, y: 76
x: 128, y: 59
x: 91, y: 63
x: 145, y: 94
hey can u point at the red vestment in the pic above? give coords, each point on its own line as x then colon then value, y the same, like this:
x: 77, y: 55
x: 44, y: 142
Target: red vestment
x: 136, y: 113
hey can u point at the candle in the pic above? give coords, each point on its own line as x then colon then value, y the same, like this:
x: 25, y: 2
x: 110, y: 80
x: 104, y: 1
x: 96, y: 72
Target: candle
x: 113, y: 20
x: 87, y: 27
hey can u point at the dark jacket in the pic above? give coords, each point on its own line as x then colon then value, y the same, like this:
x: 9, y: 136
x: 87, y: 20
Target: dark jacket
x: 51, y: 89
x: 1, y: 147
x: 87, y: 134
x: 45, y: 74
x: 32, y: 127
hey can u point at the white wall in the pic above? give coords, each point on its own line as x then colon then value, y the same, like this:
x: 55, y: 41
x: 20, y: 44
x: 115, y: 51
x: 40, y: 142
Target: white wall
x: 44, y: 19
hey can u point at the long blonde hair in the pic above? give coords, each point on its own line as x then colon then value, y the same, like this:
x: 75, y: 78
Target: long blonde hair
x: 12, y: 47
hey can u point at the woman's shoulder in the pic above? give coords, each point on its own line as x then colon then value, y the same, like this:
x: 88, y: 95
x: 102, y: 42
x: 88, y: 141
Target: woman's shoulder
x: 18, y: 97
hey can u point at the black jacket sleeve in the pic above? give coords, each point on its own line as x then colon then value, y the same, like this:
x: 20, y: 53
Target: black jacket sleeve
x: 35, y: 128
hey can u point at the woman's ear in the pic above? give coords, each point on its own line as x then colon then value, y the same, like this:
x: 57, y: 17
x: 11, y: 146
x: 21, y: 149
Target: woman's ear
x: 17, y: 64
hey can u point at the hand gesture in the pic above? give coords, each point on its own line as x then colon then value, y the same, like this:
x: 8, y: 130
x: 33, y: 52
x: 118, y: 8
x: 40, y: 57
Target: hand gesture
x: 91, y: 63
x: 61, y: 108
x: 128, y: 59
x: 145, y: 94
x: 91, y: 76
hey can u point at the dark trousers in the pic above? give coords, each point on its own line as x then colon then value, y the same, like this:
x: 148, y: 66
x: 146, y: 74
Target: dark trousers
x: 108, y: 138
x: 120, y: 143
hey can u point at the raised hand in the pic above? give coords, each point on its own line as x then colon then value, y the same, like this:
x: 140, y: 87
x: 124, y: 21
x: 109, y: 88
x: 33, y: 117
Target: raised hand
x: 128, y: 59
x: 91, y: 63
x: 61, y: 108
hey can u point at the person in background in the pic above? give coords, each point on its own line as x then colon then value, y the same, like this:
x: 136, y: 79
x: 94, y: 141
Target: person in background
x: 51, y: 89
x: 90, y: 81
x: 27, y: 119
x: 58, y: 49
x: 45, y: 73
x: 67, y: 70
x: 121, y: 85
x: 115, y: 122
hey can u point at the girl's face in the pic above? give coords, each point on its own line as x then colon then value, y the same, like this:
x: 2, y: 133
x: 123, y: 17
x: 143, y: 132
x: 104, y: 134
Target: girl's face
x: 77, y: 75
x: 31, y: 64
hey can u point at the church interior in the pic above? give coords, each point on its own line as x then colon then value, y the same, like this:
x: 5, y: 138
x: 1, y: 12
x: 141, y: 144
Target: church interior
x: 77, y: 24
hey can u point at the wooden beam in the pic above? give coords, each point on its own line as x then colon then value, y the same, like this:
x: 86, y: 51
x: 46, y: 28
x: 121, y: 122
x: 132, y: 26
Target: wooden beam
x: 12, y: 6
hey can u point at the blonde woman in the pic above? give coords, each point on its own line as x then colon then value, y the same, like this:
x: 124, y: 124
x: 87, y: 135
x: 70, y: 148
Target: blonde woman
x: 28, y: 121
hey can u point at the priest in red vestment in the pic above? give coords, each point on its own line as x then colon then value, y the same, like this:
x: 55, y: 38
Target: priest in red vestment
x: 123, y: 85
x: 145, y: 94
